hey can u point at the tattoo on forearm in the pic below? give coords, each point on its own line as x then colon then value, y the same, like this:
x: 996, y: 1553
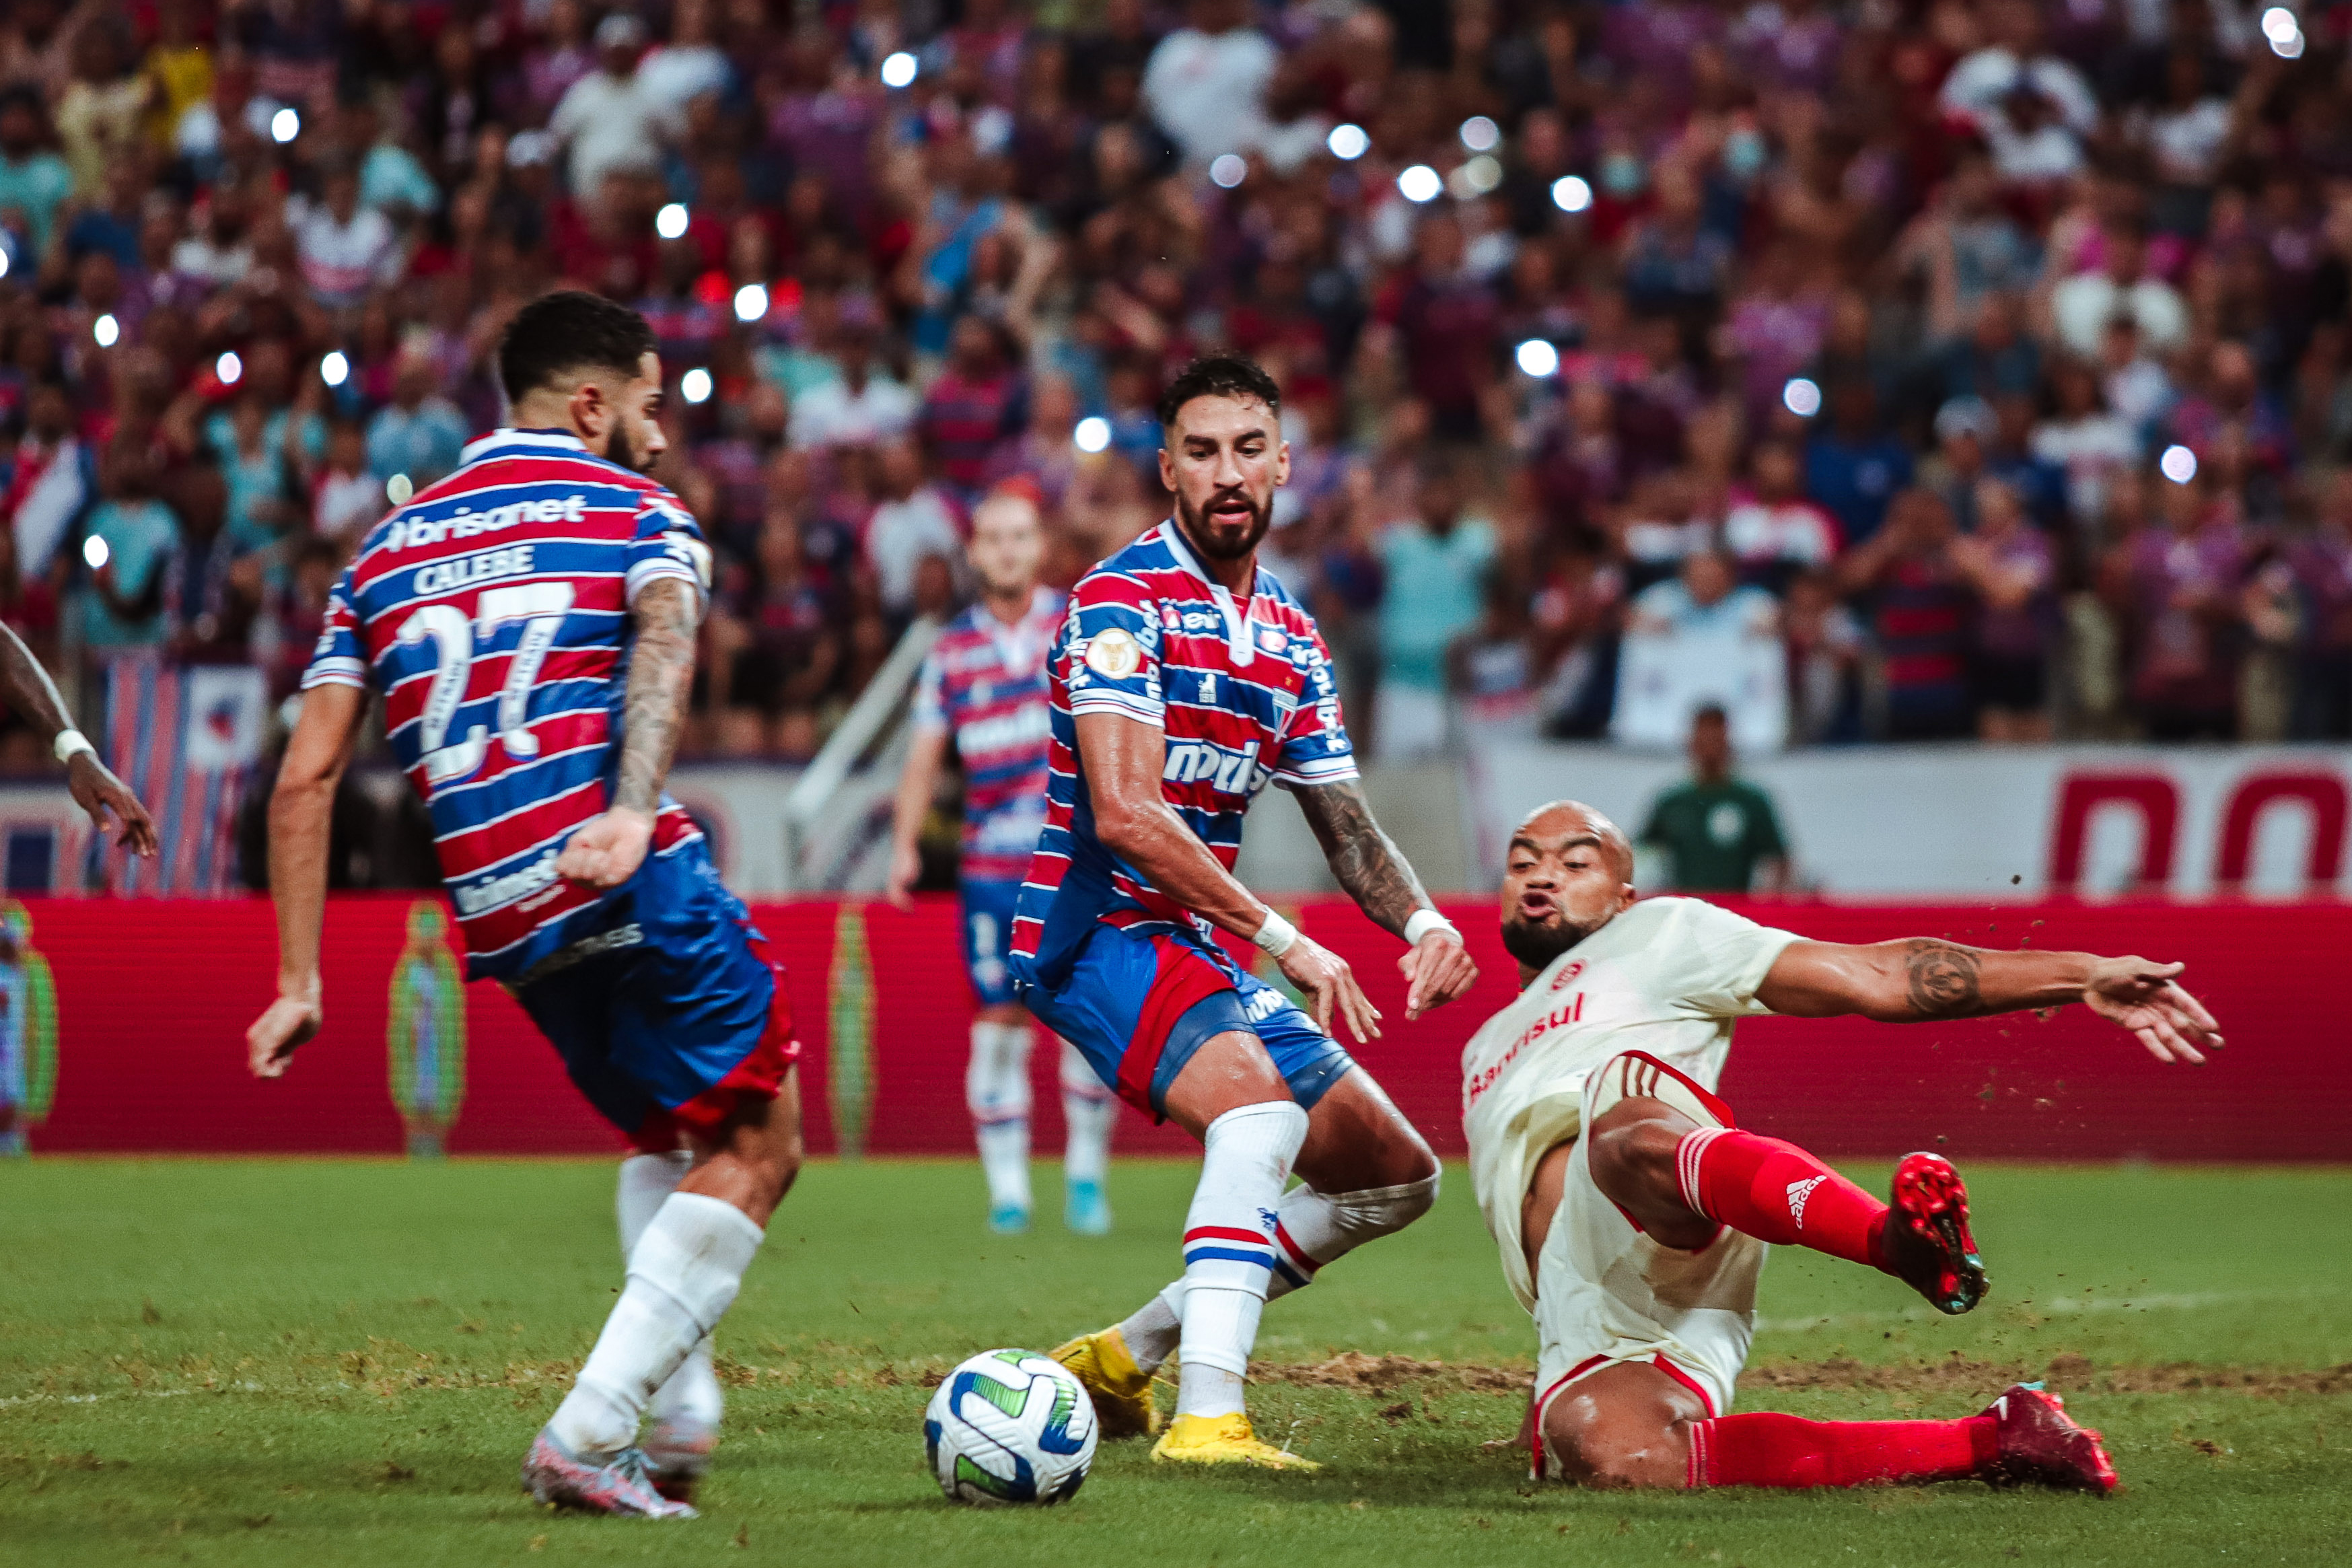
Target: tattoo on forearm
x: 661, y: 678
x: 1943, y: 979
x: 1364, y: 860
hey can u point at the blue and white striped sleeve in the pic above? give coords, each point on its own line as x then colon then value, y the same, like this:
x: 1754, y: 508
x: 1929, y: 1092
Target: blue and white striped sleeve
x: 1110, y: 650
x: 666, y: 542
x: 338, y: 658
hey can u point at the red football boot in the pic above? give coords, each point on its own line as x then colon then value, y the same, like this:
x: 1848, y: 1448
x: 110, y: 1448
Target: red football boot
x: 1926, y: 1244
x: 2038, y: 1443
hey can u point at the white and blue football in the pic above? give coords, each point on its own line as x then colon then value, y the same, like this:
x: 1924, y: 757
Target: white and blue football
x: 1010, y: 1426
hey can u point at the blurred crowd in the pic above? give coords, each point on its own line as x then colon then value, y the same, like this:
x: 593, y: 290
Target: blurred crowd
x: 1964, y: 367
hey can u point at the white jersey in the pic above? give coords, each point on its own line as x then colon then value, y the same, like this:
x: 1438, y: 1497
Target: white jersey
x: 1667, y: 977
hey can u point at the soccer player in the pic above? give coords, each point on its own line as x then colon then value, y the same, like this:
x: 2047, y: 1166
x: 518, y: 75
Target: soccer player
x: 32, y: 696
x: 530, y: 621
x: 1184, y: 682
x: 1634, y: 1215
x: 984, y: 690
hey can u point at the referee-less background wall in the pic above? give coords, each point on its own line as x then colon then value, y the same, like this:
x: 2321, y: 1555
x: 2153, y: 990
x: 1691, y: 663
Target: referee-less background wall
x: 125, y: 1022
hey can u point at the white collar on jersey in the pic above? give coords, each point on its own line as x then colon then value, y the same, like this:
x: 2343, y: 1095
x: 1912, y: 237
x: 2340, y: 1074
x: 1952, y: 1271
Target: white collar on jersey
x: 1238, y: 640
x: 1021, y: 647
x: 505, y: 440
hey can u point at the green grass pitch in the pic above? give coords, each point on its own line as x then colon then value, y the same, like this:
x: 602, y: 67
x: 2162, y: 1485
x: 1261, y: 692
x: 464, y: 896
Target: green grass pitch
x: 262, y: 1363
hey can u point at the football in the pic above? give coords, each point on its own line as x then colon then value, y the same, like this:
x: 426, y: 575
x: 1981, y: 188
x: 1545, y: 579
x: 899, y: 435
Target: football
x: 1010, y: 1426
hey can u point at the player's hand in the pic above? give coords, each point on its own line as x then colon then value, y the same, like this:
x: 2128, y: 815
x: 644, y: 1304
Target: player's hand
x: 1331, y: 987
x: 608, y: 849
x: 96, y: 790
x: 1437, y: 970
x: 290, y: 1022
x: 2141, y: 996
x: 905, y: 870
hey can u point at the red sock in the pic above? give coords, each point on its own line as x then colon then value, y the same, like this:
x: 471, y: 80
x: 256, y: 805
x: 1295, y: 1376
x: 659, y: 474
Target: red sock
x: 1763, y: 1448
x: 1774, y: 1191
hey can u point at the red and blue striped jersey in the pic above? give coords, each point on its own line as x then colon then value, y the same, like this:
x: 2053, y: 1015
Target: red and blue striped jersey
x: 983, y: 685
x: 492, y: 613
x: 1243, y: 692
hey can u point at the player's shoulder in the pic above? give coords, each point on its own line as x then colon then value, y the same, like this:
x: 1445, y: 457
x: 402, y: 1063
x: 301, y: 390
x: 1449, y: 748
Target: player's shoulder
x: 1137, y: 574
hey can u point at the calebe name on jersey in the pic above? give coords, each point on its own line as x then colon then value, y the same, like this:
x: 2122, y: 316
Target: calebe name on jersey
x: 492, y: 613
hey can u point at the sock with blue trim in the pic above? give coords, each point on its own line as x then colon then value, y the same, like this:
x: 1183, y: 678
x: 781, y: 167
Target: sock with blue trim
x: 1245, y: 1157
x: 1310, y: 1229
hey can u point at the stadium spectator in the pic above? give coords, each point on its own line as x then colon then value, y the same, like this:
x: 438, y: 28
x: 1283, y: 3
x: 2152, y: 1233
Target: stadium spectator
x: 1919, y: 606
x: 912, y: 521
x: 2013, y: 572
x: 1717, y: 831
x: 419, y: 433
x: 1434, y: 566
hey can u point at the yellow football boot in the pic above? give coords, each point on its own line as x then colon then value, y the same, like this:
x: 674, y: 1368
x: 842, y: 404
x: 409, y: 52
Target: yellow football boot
x: 1223, y: 1440
x: 1121, y: 1390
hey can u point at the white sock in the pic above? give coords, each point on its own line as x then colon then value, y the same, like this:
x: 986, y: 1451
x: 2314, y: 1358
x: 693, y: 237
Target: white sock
x: 1245, y: 1157
x: 691, y: 1400
x: 1315, y: 1228
x: 1088, y: 1109
x: 683, y: 1275
x: 996, y: 1088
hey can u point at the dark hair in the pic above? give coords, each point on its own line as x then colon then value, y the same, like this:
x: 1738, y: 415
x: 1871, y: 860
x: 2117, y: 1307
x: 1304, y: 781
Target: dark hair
x: 570, y: 330
x: 1217, y: 375
x: 1709, y: 713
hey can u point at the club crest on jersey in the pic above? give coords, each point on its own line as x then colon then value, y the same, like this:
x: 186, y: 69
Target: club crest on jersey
x: 1113, y: 654
x: 1566, y: 976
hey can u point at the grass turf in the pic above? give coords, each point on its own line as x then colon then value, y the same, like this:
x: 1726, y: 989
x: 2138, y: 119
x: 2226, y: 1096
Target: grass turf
x: 342, y: 1361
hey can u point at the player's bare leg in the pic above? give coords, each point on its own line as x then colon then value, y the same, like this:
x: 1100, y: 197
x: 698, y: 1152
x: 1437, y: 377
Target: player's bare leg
x: 683, y: 1274
x: 1633, y: 1425
x: 1364, y: 1172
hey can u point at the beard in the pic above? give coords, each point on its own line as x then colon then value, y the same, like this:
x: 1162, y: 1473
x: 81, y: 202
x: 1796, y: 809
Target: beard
x: 617, y: 448
x: 1217, y: 546
x: 1536, y: 945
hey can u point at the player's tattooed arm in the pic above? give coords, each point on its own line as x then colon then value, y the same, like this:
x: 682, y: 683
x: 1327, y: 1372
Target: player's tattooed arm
x: 1363, y: 858
x: 661, y: 680
x: 1924, y: 979
x: 1369, y: 865
x: 607, y: 849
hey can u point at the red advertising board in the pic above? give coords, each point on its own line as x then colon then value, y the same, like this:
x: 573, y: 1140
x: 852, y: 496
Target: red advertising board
x: 151, y: 999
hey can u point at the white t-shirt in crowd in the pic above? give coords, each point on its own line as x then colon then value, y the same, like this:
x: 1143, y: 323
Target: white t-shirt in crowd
x: 610, y: 125
x: 2084, y: 304
x: 830, y: 415
x: 1668, y: 977
x: 901, y: 533
x: 1207, y: 91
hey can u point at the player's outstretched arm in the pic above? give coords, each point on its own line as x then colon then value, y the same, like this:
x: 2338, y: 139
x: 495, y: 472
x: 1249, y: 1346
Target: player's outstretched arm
x: 1369, y: 865
x: 608, y: 848
x: 1920, y: 979
x: 29, y: 693
x: 926, y: 753
x: 1123, y: 759
x: 300, y: 810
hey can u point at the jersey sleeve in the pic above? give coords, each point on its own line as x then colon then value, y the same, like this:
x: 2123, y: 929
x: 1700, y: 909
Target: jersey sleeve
x: 1314, y: 746
x: 1713, y: 961
x: 338, y: 658
x: 667, y: 543
x: 1110, y: 644
x: 930, y: 714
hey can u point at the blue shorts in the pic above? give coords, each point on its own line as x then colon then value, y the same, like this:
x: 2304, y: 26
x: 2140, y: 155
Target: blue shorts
x: 1138, y: 1002
x: 671, y: 1014
x: 988, y: 937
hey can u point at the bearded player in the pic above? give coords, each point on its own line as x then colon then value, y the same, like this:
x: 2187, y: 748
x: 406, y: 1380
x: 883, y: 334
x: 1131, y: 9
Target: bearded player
x: 983, y: 690
x: 1634, y: 1215
x: 530, y: 621
x: 1185, y: 680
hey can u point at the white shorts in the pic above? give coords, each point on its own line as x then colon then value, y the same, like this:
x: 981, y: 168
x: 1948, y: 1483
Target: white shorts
x: 1606, y: 1293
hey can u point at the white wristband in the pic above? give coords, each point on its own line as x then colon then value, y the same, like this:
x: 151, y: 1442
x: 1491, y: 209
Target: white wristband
x: 71, y: 743
x: 1423, y: 921
x: 1276, y: 935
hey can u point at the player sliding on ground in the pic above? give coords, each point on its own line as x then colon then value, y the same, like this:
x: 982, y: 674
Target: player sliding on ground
x: 530, y: 620
x: 1633, y: 1215
x: 984, y: 690
x: 1185, y: 680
